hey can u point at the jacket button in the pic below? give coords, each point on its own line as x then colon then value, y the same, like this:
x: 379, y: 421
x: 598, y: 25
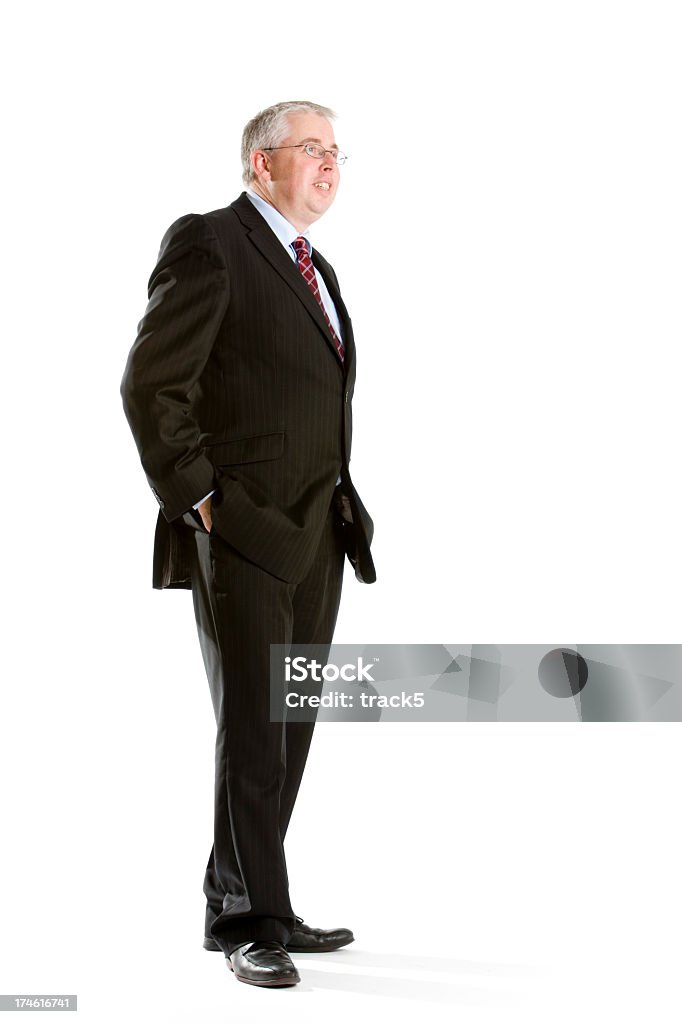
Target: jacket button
x: 347, y: 393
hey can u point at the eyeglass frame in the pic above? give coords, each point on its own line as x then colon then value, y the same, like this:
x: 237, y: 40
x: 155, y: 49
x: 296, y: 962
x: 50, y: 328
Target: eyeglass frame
x: 297, y: 145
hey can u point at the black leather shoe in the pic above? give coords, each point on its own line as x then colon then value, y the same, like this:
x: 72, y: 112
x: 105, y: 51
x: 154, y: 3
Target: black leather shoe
x: 263, y: 963
x: 305, y: 939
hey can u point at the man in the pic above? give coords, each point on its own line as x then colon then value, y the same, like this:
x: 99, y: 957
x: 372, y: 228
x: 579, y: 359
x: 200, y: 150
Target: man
x: 238, y: 392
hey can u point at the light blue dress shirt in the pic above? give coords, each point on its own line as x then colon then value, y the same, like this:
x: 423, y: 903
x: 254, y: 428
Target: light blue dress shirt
x: 286, y: 233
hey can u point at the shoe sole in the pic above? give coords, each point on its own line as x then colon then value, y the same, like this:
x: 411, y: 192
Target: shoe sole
x: 213, y: 947
x: 328, y: 948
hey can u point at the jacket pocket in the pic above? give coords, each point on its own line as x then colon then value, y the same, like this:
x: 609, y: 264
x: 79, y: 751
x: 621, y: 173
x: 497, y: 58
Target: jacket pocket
x: 256, y: 448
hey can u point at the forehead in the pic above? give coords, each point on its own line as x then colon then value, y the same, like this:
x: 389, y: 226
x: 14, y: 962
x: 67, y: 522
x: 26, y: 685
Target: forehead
x: 310, y: 126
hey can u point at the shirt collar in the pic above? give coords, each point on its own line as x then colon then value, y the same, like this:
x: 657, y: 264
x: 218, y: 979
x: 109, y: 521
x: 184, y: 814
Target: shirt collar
x: 285, y: 231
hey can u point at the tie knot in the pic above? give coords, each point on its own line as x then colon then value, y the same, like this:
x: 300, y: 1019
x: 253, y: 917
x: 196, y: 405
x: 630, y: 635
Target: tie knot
x: 300, y: 246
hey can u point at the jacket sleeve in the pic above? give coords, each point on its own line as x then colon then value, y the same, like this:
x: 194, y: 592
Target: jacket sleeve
x: 188, y: 296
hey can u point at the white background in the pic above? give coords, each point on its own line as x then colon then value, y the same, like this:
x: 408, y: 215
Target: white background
x: 507, y: 238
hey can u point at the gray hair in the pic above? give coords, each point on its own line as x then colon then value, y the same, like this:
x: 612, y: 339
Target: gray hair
x: 269, y: 127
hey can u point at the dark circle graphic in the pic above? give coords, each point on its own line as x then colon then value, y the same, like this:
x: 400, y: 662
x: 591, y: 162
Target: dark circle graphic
x: 563, y: 672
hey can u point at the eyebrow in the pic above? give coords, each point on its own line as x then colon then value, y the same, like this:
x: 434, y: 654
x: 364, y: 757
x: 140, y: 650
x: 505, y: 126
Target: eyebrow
x: 311, y: 138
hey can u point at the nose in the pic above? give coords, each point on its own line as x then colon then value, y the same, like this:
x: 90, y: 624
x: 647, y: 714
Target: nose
x: 328, y: 162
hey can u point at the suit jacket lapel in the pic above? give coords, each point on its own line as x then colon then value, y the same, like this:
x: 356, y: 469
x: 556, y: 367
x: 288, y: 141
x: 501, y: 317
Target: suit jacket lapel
x: 323, y: 269
x: 272, y: 249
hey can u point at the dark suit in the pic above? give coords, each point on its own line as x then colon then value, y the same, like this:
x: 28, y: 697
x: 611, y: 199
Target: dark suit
x: 234, y: 383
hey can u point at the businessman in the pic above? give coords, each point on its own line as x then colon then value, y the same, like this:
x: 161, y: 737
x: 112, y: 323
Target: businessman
x: 238, y: 391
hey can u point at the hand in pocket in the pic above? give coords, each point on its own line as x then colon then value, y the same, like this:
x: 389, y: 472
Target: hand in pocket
x: 205, y: 511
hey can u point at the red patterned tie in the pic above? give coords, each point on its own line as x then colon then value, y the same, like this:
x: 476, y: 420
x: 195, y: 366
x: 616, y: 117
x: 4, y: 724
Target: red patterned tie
x: 305, y: 265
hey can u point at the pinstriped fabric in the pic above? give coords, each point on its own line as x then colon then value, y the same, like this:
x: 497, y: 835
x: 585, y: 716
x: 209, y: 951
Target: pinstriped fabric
x: 234, y: 383
x: 240, y: 610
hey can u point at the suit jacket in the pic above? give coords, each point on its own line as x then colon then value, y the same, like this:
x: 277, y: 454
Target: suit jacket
x: 234, y: 383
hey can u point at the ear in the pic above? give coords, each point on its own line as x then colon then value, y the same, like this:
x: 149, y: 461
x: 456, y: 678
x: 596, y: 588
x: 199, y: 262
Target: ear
x: 260, y: 162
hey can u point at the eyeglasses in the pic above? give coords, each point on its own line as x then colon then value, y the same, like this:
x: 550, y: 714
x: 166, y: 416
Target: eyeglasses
x: 317, y: 152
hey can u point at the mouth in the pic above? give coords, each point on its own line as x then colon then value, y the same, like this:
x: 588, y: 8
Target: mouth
x: 324, y: 186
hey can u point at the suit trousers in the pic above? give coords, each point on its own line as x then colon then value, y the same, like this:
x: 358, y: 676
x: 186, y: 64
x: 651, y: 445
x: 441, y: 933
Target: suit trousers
x: 240, y: 610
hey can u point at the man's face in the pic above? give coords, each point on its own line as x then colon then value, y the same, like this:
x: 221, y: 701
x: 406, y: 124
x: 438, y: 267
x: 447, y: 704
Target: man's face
x: 293, y: 182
